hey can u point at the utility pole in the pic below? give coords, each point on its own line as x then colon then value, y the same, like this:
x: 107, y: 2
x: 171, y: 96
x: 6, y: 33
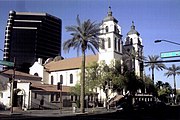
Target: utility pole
x: 59, y: 87
x: 12, y: 87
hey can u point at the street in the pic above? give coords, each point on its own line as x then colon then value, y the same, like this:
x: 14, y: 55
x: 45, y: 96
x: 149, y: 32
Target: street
x: 169, y: 113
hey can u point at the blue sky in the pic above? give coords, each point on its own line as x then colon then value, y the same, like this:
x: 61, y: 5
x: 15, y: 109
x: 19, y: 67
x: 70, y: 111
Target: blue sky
x: 154, y: 19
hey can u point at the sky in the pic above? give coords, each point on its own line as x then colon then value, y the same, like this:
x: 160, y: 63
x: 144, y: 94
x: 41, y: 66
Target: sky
x: 154, y: 19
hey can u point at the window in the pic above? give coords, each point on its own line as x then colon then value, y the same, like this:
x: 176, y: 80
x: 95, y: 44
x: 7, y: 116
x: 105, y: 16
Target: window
x: 71, y: 78
x: 72, y: 97
x: 57, y: 97
x: 76, y: 98
x: 115, y: 44
x: 36, y: 74
x: 109, y: 43
x: 35, y: 95
x: 61, y: 79
x: 103, y: 46
x: 119, y: 43
x: 107, y: 29
x: 1, y: 95
x: 131, y: 41
x: 52, y: 80
x: 115, y: 28
x: 52, y: 97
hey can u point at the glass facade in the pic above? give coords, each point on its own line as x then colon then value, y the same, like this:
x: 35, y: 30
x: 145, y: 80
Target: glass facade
x: 30, y: 36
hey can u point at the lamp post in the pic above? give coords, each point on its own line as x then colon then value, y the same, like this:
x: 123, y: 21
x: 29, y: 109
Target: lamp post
x: 157, y: 41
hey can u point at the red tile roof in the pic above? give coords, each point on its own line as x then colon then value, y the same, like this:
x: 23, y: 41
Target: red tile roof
x: 71, y: 63
x: 49, y: 88
x: 20, y: 75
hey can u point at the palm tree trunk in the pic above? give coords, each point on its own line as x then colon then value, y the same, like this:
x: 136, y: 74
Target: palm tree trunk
x: 153, y: 75
x: 83, y: 81
x: 174, y: 89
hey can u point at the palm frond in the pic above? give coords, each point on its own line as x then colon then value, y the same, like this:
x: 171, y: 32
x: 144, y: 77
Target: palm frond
x: 84, y: 35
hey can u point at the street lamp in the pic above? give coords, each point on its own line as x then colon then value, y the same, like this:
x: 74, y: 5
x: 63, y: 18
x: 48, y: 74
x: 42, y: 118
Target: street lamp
x: 157, y: 41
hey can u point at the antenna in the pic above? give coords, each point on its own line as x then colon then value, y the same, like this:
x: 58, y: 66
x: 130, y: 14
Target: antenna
x: 108, y: 3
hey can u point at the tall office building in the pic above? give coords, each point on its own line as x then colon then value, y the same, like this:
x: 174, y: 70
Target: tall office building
x: 30, y: 36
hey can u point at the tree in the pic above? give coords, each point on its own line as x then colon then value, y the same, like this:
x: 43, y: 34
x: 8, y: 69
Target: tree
x: 159, y: 84
x: 149, y: 85
x: 132, y: 82
x: 84, y: 36
x: 153, y: 64
x: 164, y: 90
x: 116, y: 76
x: 93, y: 79
x: 173, y: 71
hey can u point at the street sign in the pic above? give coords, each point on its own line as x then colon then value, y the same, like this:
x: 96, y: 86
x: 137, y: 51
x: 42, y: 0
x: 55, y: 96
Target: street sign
x: 170, y: 54
x: 6, y: 63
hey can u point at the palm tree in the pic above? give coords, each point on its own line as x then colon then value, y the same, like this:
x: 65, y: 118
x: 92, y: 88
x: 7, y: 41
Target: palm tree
x: 153, y: 64
x: 84, y: 36
x: 173, y: 71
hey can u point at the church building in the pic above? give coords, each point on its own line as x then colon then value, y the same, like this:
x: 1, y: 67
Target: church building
x: 67, y: 71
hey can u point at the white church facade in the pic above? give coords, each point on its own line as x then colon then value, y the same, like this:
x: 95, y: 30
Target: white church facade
x: 67, y: 71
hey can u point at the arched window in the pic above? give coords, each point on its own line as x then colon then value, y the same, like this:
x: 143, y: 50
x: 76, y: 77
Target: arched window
x: 107, y: 29
x: 36, y: 74
x: 131, y: 41
x: 119, y: 45
x: 52, y: 80
x: 103, y: 44
x: 71, y: 78
x: 115, y: 28
x: 61, y: 79
x: 115, y: 44
x: 109, y: 43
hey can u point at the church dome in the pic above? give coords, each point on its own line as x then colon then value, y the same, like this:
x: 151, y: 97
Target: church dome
x: 133, y: 31
x: 109, y: 17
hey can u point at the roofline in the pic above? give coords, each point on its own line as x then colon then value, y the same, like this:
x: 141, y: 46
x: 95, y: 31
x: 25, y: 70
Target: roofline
x: 63, y: 69
x: 34, y: 13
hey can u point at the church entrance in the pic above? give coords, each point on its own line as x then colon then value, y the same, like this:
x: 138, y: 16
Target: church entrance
x: 18, y: 98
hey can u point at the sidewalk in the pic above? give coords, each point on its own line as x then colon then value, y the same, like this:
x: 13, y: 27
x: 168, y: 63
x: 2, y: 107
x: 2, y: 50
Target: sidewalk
x: 55, y: 113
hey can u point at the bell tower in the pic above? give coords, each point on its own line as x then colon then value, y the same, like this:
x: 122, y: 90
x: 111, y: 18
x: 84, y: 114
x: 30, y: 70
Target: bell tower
x: 133, y: 45
x: 111, y: 39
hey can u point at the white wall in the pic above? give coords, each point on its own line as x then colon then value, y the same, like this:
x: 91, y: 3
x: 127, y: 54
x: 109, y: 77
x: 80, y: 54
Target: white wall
x: 6, y: 96
x: 37, y: 68
x: 24, y: 87
x: 66, y: 77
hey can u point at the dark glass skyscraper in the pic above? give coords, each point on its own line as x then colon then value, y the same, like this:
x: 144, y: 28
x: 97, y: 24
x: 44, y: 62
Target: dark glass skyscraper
x: 30, y: 36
